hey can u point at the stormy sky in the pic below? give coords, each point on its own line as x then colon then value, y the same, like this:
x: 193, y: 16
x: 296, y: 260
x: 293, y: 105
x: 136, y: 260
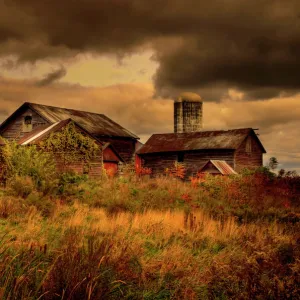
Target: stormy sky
x: 129, y: 58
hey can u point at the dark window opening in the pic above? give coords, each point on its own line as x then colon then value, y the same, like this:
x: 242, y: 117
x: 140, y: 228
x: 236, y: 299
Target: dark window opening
x: 180, y: 157
x: 27, y: 124
x: 28, y: 120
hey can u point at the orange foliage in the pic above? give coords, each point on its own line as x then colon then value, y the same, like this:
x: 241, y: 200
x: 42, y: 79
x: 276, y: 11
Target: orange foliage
x: 178, y: 170
x: 199, y: 178
x: 143, y: 171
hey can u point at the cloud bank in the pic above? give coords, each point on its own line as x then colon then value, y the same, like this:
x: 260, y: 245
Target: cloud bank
x: 202, y: 46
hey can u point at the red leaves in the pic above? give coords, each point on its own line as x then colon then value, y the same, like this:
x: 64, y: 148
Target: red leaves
x: 186, y: 198
x: 178, y: 170
x: 143, y: 171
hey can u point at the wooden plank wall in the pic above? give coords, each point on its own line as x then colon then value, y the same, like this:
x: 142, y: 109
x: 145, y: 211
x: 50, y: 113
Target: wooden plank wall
x: 95, y: 170
x: 245, y: 159
x: 14, y: 129
x: 125, y: 147
x: 159, y: 162
x: 193, y: 161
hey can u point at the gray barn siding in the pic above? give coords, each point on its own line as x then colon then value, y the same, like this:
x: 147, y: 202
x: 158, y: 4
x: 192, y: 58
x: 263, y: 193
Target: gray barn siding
x: 244, y: 159
x: 14, y: 130
x: 124, y: 146
x: 159, y: 162
x: 193, y: 161
x: 95, y: 170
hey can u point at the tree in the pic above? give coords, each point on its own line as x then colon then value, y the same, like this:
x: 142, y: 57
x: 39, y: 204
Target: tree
x: 273, y: 163
x: 26, y: 161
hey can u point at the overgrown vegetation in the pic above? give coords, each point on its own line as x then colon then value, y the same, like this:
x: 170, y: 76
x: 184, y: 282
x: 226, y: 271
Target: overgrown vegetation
x: 70, y: 145
x: 68, y: 236
x: 25, y: 167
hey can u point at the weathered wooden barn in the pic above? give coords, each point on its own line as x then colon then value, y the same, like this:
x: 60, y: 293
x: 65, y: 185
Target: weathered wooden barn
x: 106, y: 157
x: 237, y: 148
x: 31, y: 116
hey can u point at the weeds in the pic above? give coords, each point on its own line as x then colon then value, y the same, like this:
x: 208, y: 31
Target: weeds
x: 151, y: 238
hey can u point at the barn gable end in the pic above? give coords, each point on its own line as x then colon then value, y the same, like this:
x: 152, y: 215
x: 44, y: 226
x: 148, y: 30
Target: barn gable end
x: 14, y: 128
x: 249, y: 154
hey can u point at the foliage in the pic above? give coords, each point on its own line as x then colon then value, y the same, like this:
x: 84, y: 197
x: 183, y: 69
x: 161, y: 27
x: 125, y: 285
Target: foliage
x: 273, y: 163
x: 143, y: 171
x: 78, y: 252
x: 70, y: 145
x: 20, y: 162
x: 136, y: 237
x: 5, y: 155
x: 68, y: 184
x: 178, y: 170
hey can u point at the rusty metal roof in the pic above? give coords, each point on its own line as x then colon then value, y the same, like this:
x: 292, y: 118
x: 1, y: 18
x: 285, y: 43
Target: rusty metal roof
x: 96, y: 124
x: 222, y: 167
x: 203, y: 140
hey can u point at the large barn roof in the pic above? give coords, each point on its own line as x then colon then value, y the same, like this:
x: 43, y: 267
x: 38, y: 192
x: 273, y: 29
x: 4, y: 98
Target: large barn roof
x: 95, y: 124
x: 203, y: 140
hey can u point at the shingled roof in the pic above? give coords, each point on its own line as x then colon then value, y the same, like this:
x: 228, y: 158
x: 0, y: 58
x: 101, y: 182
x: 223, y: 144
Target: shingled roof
x: 96, y: 124
x: 203, y: 140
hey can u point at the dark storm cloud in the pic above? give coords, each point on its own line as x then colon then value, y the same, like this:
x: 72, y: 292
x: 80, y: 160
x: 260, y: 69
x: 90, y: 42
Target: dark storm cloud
x: 52, y: 77
x: 200, y: 45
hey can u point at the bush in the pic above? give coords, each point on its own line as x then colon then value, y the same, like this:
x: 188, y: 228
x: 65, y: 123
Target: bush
x: 68, y: 183
x: 28, y: 161
x: 21, y: 186
x: 43, y: 204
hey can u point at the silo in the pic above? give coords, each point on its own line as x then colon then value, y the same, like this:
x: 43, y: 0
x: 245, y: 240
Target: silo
x: 188, y: 113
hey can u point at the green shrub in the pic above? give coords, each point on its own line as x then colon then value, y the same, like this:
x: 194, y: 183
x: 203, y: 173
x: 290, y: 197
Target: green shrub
x: 28, y: 161
x: 21, y: 186
x: 68, y: 183
x: 43, y: 204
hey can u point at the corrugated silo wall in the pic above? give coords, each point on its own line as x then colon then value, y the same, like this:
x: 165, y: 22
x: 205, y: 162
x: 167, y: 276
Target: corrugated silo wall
x: 192, y: 116
x: 178, y: 117
x: 187, y: 116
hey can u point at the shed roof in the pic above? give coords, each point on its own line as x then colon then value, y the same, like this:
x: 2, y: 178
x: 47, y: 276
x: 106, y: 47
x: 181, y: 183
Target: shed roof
x: 203, y: 140
x: 222, y: 166
x: 94, y: 123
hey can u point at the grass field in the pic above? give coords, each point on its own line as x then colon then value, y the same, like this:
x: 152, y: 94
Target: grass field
x: 141, y: 238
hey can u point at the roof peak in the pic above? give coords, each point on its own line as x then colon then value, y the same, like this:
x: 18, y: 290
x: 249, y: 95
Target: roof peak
x: 97, y: 124
x: 204, y: 131
x: 59, y: 107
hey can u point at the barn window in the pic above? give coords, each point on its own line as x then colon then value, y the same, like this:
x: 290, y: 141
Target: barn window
x: 248, y: 145
x: 27, y: 124
x: 180, y: 157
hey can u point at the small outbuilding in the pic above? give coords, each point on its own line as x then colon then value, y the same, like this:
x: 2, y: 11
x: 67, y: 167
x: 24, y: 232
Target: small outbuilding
x: 217, y: 167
